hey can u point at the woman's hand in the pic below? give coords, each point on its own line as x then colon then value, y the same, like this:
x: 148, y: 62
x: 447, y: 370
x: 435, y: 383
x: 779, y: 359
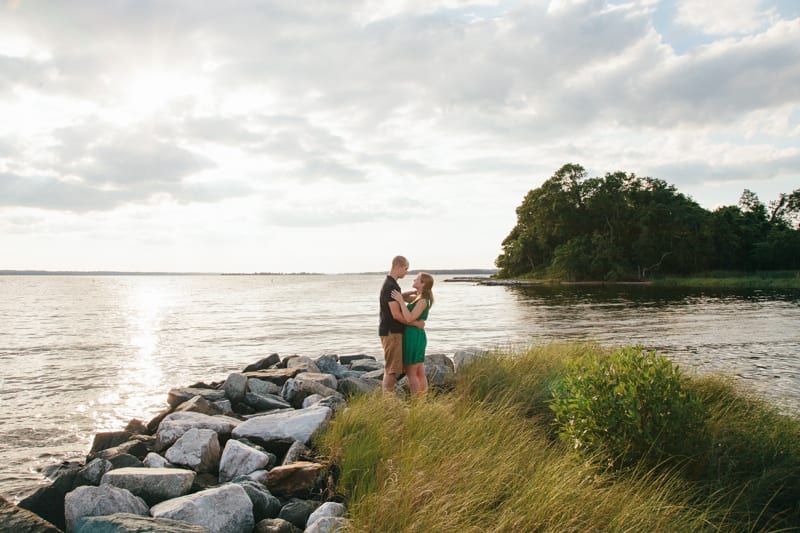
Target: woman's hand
x: 397, y: 296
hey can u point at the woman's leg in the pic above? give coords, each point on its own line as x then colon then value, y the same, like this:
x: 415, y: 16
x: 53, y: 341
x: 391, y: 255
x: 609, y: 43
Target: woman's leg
x: 422, y: 378
x: 411, y: 375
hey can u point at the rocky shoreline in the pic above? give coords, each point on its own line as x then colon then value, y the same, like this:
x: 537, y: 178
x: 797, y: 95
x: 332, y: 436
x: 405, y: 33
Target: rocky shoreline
x: 228, y: 457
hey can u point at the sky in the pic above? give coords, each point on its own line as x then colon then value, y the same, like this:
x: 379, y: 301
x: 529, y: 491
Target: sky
x: 329, y: 136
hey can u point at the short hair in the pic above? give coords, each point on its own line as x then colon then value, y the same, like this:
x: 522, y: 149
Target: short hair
x: 399, y: 260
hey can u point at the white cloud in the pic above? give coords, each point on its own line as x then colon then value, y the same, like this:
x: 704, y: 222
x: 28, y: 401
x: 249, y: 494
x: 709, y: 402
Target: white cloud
x: 718, y: 18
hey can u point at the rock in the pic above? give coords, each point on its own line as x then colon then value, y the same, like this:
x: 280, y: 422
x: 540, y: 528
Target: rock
x: 311, y: 400
x: 153, y: 485
x: 98, y: 501
x: 235, y: 387
x: 134, y: 447
x: 301, y: 362
x: 332, y: 402
x: 278, y: 376
x: 48, y: 502
x: 356, y: 386
x: 297, y: 390
x: 109, y: 439
x: 373, y: 375
x: 125, y: 460
x: 92, y: 473
x: 224, y: 509
x: 198, y: 404
x: 136, y: 427
x: 152, y: 426
x: 198, y: 449
x: 439, y: 359
x: 440, y: 376
x: 299, y: 425
x: 326, y: 380
x: 153, y: 460
x: 177, y: 396
x: 276, y: 525
x: 239, y: 459
x: 297, y: 511
x: 296, y: 450
x: 131, y: 523
x: 272, y: 359
x: 266, y: 402
x: 265, y: 505
x: 348, y: 359
x: 327, y: 509
x: 296, y: 479
x: 464, y: 357
x: 175, y: 425
x: 18, y: 520
x: 328, y: 524
x: 367, y: 365
x: 260, y: 476
x: 329, y: 364
x: 260, y: 386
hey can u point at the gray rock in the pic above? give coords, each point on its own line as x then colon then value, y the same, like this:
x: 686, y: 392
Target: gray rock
x: 276, y: 525
x: 131, y: 523
x: 177, y: 396
x: 278, y: 376
x: 301, y: 362
x: 440, y: 376
x: 224, y: 509
x: 329, y: 364
x: 99, y: 501
x: 348, y: 359
x: 297, y: 511
x: 125, y: 460
x: 153, y: 460
x: 259, y: 476
x: 266, y: 402
x: 374, y: 375
x: 296, y: 479
x: 235, y: 387
x: 265, y: 505
x: 48, y: 501
x: 296, y: 450
x: 367, y: 365
x: 18, y: 520
x: 327, y: 509
x: 109, y: 439
x: 331, y: 402
x: 311, y: 400
x: 198, y: 449
x: 297, y: 390
x: 327, y: 380
x: 299, y: 424
x: 328, y: 524
x: 175, y: 425
x: 464, y: 357
x: 239, y: 459
x: 356, y: 386
x: 152, y: 484
x: 260, y: 386
x: 135, y: 447
x: 271, y: 359
x: 92, y: 473
x: 198, y: 404
x: 439, y: 359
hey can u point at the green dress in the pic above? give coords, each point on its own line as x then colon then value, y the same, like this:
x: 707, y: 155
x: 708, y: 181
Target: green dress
x: 414, y: 339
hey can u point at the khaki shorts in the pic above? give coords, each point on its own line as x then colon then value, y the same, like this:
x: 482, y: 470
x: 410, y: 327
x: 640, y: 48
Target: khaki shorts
x: 393, y: 353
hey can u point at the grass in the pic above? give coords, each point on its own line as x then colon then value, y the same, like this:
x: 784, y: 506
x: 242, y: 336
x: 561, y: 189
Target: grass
x: 485, y: 457
x: 784, y: 279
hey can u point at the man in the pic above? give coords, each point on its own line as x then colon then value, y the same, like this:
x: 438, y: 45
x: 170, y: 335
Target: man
x: 392, y: 325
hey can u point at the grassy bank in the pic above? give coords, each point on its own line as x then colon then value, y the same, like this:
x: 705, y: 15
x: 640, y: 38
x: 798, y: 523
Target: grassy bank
x: 486, y: 457
x: 786, y: 279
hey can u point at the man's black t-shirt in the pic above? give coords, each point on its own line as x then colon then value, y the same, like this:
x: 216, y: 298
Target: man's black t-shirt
x: 388, y: 324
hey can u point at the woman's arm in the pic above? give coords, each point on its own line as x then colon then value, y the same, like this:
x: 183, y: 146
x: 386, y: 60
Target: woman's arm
x: 413, y: 315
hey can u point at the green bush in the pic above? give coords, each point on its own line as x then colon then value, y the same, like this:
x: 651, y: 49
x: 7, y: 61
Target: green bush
x: 626, y: 407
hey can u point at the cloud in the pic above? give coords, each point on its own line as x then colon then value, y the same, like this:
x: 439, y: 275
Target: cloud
x: 748, y: 16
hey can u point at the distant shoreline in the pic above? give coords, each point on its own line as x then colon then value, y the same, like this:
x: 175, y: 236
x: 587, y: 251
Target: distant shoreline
x: 465, y: 271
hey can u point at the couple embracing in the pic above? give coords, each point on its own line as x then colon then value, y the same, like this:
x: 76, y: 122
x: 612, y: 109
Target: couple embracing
x: 402, y: 327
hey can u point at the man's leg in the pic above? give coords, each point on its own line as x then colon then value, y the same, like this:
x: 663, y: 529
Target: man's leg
x: 392, y: 360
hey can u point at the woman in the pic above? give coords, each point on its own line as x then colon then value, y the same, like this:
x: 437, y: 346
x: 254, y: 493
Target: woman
x: 414, y: 339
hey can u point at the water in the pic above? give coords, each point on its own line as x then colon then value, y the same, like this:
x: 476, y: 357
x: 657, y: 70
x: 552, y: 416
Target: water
x: 82, y: 354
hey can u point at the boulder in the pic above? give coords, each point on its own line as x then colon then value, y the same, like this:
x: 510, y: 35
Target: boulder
x: 198, y: 449
x: 328, y: 524
x: 297, y: 390
x: 178, y: 395
x: 92, y: 473
x: 136, y: 427
x: 439, y: 359
x: 235, y: 387
x: 299, y: 424
x: 296, y: 479
x: 266, y: 402
x: 373, y: 375
x: 153, y: 485
x: 356, y: 386
x: 266, y: 362
x: 198, y: 404
x: 297, y: 511
x: 331, y: 402
x: 294, y: 453
x: 348, y: 359
x: 366, y: 365
x: 98, y: 501
x: 327, y: 509
x: 48, y: 501
x: 239, y: 459
x: 301, y: 362
x: 132, y: 523
x: 135, y: 447
x: 260, y: 386
x: 224, y: 509
x: 276, y: 525
x: 109, y: 439
x: 278, y: 376
x: 125, y: 460
x: 18, y: 520
x: 265, y: 505
x: 464, y: 357
x: 327, y: 380
x: 440, y: 376
x: 154, y: 460
x: 311, y: 400
x: 175, y: 425
x: 329, y: 364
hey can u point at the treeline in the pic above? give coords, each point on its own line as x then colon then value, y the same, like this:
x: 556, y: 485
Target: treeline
x: 625, y: 227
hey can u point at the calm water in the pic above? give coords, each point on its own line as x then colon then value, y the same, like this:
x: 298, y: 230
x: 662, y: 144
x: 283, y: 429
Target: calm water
x: 85, y: 354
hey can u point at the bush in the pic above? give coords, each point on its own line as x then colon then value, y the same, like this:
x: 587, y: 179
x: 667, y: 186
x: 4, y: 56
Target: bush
x: 626, y: 407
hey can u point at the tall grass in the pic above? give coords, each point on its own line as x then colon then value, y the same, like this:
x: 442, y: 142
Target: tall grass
x: 783, y: 279
x: 485, y: 457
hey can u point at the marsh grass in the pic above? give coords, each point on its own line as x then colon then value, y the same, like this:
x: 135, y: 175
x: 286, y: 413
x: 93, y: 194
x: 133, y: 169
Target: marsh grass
x: 782, y: 279
x: 485, y: 457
